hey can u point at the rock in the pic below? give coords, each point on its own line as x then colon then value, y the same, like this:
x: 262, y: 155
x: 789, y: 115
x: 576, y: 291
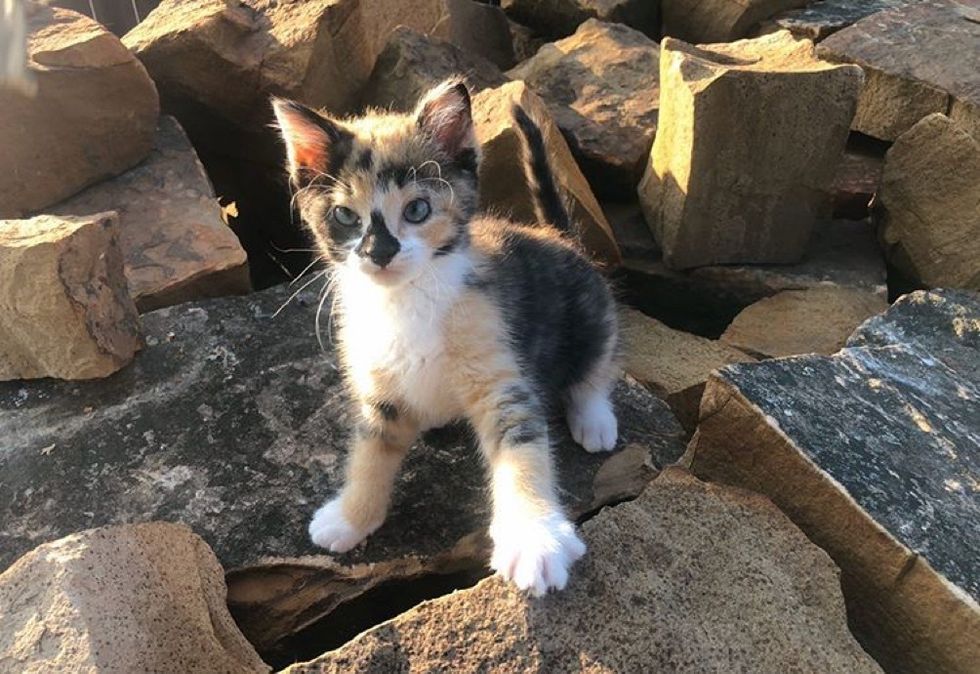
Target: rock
x: 919, y: 58
x: 820, y: 19
x: 718, y: 20
x: 705, y: 300
x: 856, y: 182
x: 64, y: 308
x: 481, y: 29
x: 817, y: 320
x: 119, y: 17
x: 562, y: 18
x: 504, y: 187
x: 601, y: 85
x: 92, y: 117
x: 526, y: 42
x: 771, y: 122
x: 225, y: 59
x: 131, y: 598
x: 630, y: 229
x: 929, y: 205
x: 412, y: 63
x: 175, y: 244
x: 686, y: 558
x: 672, y: 363
x: 234, y: 422
x: 874, y: 453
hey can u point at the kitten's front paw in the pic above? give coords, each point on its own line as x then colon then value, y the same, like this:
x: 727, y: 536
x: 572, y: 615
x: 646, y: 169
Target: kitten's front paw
x: 330, y: 529
x: 536, y: 554
x: 593, y: 424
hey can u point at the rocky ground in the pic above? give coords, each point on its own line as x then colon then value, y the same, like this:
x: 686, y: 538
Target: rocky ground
x: 785, y: 194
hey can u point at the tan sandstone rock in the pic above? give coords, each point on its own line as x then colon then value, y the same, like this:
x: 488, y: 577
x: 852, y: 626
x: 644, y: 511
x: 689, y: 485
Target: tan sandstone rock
x: 412, y: 63
x: 919, y: 58
x: 718, y: 20
x: 64, y: 307
x: 929, y: 214
x: 175, y: 244
x: 817, y: 320
x: 227, y: 57
x: 750, y: 135
x: 481, y: 29
x: 602, y: 87
x: 562, y: 17
x: 504, y: 187
x: 689, y: 577
x: 92, y: 117
x: 130, y: 598
x: 673, y: 364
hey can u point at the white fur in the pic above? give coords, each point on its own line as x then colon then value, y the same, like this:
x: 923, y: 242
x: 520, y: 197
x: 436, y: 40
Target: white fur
x: 591, y: 419
x: 535, y: 553
x: 330, y: 529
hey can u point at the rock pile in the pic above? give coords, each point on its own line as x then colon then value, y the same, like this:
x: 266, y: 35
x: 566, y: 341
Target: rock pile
x: 758, y: 178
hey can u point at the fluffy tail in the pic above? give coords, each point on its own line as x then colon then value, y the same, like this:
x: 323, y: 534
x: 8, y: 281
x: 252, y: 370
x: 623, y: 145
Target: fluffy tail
x: 548, y: 204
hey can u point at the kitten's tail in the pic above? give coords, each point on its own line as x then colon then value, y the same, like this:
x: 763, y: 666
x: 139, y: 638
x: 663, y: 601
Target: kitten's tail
x: 548, y: 204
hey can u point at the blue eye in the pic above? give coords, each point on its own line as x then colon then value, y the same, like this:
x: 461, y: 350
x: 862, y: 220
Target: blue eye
x: 416, y: 211
x: 345, y: 216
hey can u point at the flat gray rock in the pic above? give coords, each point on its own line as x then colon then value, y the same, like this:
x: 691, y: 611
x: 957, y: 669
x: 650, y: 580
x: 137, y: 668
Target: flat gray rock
x: 820, y: 19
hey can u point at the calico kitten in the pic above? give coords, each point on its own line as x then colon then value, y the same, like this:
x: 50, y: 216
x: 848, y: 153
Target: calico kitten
x: 445, y: 313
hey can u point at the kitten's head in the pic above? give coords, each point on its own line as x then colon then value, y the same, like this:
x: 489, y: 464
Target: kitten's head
x: 386, y: 194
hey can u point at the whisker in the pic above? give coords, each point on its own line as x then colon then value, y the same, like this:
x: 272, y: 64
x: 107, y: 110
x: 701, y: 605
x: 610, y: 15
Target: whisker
x: 298, y: 291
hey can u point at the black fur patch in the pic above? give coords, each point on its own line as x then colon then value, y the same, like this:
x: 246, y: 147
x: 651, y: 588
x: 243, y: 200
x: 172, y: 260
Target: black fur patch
x: 378, y: 243
x: 364, y: 160
x: 550, y: 207
x: 397, y: 174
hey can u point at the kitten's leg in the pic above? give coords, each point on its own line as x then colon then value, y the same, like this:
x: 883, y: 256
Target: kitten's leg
x: 380, y: 444
x: 589, y: 410
x: 534, y: 543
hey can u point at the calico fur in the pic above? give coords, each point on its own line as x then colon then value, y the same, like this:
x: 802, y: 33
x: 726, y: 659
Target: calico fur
x: 461, y: 315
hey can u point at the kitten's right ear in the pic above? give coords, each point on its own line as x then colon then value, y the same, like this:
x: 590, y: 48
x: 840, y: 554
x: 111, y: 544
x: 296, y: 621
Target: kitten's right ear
x: 314, y: 144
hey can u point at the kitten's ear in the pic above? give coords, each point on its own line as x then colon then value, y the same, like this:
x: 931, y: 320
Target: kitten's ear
x: 444, y: 114
x: 314, y: 144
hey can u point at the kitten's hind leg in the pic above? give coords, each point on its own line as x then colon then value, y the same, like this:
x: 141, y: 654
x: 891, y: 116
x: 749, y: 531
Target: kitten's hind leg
x: 589, y: 409
x: 380, y: 444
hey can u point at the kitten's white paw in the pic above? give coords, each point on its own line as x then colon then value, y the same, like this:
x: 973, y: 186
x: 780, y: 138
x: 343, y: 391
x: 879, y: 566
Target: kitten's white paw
x: 535, y: 554
x: 330, y: 529
x: 593, y: 423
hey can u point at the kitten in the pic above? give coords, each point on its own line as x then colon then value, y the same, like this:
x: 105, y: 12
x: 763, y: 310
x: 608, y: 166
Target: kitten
x: 445, y: 313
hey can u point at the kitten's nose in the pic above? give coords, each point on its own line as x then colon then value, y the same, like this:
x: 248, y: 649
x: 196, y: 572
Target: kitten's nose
x: 381, y: 258
x: 378, y: 244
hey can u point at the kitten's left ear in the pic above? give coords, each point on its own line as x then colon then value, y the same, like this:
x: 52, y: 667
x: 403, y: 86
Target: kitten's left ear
x: 314, y: 143
x: 444, y: 114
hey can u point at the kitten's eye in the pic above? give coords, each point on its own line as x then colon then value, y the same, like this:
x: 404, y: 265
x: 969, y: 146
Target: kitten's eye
x: 417, y: 210
x: 345, y: 216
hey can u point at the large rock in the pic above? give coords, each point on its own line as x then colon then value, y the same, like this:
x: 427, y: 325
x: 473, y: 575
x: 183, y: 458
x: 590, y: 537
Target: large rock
x: 131, y: 598
x: 562, y: 17
x: 919, y: 58
x: 874, y: 453
x: 65, y: 310
x: 412, y: 63
x: 503, y: 184
x: 601, y: 85
x: 718, y: 20
x: 673, y: 364
x: 741, y: 166
x: 226, y: 58
x: 92, y: 117
x: 234, y: 422
x: 816, y: 320
x: 841, y: 254
x: 481, y: 29
x: 175, y: 244
x: 690, y: 577
x: 825, y: 17
x: 929, y: 205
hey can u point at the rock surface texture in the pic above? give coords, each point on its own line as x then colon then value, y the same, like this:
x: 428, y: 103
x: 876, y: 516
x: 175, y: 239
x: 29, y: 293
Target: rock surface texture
x: 175, y: 244
x: 504, y: 188
x: 817, y: 320
x: 92, y: 117
x: 234, y: 422
x: 920, y: 58
x: 652, y: 578
x: 481, y: 29
x: 672, y: 363
x: 562, y: 17
x: 825, y: 17
x: 713, y: 196
x: 131, y: 598
x: 718, y: 20
x: 65, y: 310
x: 411, y: 63
x: 874, y: 452
x: 601, y: 85
x: 929, y: 215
